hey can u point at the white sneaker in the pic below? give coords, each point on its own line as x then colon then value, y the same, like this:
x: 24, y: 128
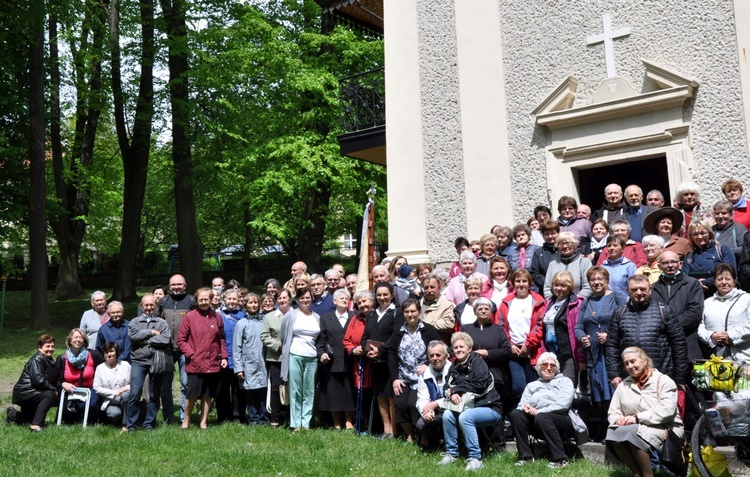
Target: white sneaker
x: 473, y: 464
x: 447, y: 459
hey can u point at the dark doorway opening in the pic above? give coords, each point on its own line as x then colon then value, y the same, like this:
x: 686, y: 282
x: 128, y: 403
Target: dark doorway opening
x: 649, y: 174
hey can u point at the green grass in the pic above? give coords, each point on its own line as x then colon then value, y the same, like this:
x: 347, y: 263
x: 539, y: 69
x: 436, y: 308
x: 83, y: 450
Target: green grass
x: 226, y: 449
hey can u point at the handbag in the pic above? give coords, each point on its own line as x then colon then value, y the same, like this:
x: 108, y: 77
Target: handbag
x: 284, y: 394
x: 672, y: 455
x: 582, y: 432
x: 161, y: 361
x: 582, y: 398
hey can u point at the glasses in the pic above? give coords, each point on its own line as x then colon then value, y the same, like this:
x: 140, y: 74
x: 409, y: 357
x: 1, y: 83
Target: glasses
x: 670, y: 262
x: 699, y: 234
x: 548, y: 366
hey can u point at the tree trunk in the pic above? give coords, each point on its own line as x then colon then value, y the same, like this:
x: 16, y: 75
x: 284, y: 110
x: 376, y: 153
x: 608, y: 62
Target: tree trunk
x: 71, y: 184
x: 190, y: 245
x: 135, y: 154
x: 247, y: 274
x: 37, y: 218
x: 312, y: 234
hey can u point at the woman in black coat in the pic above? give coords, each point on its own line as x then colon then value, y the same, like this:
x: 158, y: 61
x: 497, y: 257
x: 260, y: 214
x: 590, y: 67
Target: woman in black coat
x: 35, y: 390
x: 336, y: 389
x: 407, y: 360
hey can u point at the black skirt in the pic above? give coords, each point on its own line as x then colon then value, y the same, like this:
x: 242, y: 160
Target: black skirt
x: 202, y: 384
x: 336, y: 392
x: 382, y: 384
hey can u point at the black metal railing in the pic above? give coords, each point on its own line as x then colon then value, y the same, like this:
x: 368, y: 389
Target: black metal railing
x: 362, y: 98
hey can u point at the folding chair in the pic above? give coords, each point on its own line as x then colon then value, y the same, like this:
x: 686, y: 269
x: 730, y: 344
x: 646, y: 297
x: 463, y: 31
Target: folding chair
x: 78, y: 394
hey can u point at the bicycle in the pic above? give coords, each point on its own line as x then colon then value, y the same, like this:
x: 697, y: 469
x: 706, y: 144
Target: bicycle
x: 720, y: 440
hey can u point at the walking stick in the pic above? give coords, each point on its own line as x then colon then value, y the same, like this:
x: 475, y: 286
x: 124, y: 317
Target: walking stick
x: 360, y: 388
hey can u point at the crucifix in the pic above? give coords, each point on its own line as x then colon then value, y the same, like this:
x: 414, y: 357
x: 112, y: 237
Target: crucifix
x: 606, y: 38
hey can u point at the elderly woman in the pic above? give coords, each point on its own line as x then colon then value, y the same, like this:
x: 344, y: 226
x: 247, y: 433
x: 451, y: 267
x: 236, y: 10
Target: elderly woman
x: 336, y: 391
x: 632, y: 250
x: 247, y: 354
x: 505, y: 244
x: 497, y: 287
x: 299, y: 359
x: 112, y: 384
x: 570, y: 260
x: 230, y: 402
x: 705, y: 256
x: 521, y: 256
x: 643, y: 406
x: 543, y: 411
x: 726, y: 317
x: 270, y: 335
x: 727, y: 231
x: 407, y: 360
x: 75, y: 369
x: 378, y: 330
x: 666, y: 222
x: 599, y: 234
x: 521, y: 314
x: 456, y: 293
x: 570, y: 222
x: 560, y: 319
x: 620, y: 268
x: 489, y: 250
x: 365, y: 301
x: 653, y: 245
x: 591, y: 330
x: 688, y: 200
x: 468, y: 380
x: 201, y: 340
x: 464, y: 312
x: 35, y: 390
x: 93, y: 319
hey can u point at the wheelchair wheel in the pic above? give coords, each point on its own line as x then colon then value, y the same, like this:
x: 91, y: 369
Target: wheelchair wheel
x: 722, y: 459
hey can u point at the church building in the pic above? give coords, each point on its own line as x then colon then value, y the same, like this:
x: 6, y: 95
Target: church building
x: 495, y: 106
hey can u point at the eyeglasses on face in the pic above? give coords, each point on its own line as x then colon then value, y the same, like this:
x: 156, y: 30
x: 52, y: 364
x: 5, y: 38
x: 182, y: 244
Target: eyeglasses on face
x: 548, y: 366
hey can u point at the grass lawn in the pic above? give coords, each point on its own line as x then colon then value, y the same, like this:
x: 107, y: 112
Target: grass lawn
x: 227, y: 449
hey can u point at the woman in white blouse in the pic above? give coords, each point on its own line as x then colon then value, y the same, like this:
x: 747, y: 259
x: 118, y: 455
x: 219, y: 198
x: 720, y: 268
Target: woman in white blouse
x: 112, y: 384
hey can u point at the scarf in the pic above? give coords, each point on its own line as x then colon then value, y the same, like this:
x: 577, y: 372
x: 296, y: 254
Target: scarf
x: 644, y: 377
x: 599, y: 244
x: 77, y: 361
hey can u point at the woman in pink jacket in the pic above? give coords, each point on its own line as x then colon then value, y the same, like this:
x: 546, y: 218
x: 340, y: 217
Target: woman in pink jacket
x: 201, y: 340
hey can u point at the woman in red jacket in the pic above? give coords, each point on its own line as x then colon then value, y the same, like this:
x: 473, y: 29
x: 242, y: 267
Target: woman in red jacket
x: 521, y: 314
x: 201, y: 340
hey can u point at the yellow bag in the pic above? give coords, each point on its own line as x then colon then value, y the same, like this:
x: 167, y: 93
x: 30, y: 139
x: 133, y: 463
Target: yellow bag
x: 721, y: 373
x: 715, y: 462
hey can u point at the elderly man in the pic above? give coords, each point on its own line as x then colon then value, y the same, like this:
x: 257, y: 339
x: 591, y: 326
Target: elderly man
x: 322, y: 301
x: 436, y: 309
x: 93, y: 319
x: 633, y: 250
x: 146, y: 332
x: 655, y: 198
x: 728, y: 231
x: 684, y: 296
x: 298, y: 268
x: 584, y: 212
x: 218, y: 284
x: 172, y: 309
x: 651, y: 326
x: 429, y: 390
x: 115, y: 330
x: 334, y: 280
x: 380, y: 274
x: 636, y: 211
x: 612, y: 208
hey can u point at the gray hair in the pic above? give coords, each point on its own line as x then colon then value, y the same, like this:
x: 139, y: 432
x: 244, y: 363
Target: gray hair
x: 482, y: 301
x: 688, y: 186
x: 655, y: 191
x: 724, y: 205
x: 379, y: 268
x: 655, y: 239
x: 436, y: 343
x: 364, y: 294
x: 115, y: 303
x: 620, y: 222
x: 331, y: 271
x: 315, y: 276
x: 467, y: 255
x: 547, y: 356
x: 97, y: 293
x: 441, y: 274
x: 341, y: 292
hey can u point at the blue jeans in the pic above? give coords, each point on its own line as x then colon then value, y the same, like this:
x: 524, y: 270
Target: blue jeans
x: 521, y: 373
x: 468, y: 421
x: 166, y: 393
x: 138, y: 373
x: 301, y: 389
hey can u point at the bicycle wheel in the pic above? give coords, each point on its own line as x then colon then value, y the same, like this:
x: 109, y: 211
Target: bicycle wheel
x: 723, y: 460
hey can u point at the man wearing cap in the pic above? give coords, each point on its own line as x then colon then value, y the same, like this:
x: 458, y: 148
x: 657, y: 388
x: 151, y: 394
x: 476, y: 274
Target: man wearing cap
x: 665, y: 223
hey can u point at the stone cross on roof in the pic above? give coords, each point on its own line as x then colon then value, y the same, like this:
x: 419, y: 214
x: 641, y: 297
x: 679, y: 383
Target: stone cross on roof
x: 607, y: 37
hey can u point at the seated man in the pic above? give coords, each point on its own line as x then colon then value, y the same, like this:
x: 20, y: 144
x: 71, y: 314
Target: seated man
x: 429, y: 390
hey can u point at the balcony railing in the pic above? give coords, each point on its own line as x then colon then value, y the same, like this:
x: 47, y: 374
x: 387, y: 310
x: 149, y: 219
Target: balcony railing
x: 362, y: 99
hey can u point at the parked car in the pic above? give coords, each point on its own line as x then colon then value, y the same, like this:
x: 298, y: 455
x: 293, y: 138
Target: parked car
x: 232, y: 251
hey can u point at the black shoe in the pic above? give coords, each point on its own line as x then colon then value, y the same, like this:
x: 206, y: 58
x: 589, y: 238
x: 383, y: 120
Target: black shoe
x: 11, y: 415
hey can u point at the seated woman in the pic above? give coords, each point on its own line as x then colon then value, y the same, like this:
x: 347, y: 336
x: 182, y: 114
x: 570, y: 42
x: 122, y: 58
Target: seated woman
x: 468, y: 378
x: 643, y: 406
x: 407, y: 360
x: 112, y: 384
x: 543, y: 411
x: 725, y: 327
x: 35, y: 391
x: 75, y: 369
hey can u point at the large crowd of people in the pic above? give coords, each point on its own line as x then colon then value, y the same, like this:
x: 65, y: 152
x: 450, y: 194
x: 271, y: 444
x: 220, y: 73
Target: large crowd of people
x: 489, y: 348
